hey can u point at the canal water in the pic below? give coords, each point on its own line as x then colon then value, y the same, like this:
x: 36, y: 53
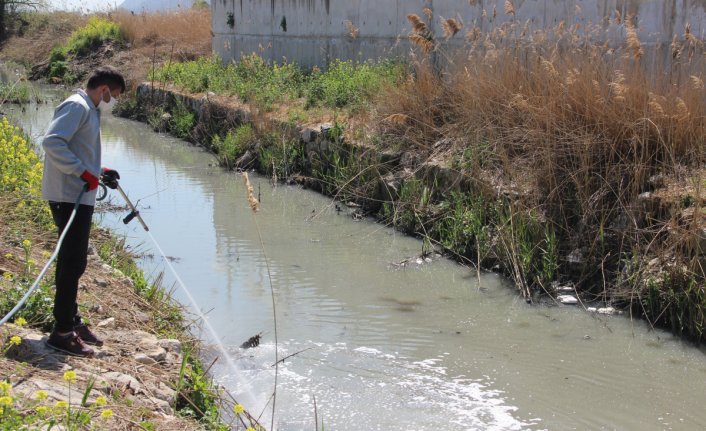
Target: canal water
x: 380, y: 338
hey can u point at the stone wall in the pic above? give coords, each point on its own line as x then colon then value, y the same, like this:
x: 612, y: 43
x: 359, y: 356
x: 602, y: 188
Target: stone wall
x: 312, y: 32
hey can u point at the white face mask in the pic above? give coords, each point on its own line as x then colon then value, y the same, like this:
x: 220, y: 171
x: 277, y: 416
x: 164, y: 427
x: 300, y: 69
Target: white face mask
x: 107, y: 107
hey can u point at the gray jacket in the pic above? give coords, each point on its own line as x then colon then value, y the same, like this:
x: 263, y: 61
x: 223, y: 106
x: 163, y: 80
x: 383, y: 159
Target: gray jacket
x: 72, y: 145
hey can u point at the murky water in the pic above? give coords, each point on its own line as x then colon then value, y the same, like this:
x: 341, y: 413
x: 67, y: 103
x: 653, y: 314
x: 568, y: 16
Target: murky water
x: 381, y: 346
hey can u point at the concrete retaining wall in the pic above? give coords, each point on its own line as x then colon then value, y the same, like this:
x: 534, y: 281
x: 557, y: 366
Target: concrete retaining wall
x: 312, y: 32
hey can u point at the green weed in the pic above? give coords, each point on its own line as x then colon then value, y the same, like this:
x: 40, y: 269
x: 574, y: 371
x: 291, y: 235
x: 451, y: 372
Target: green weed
x: 182, y: 121
x: 233, y: 145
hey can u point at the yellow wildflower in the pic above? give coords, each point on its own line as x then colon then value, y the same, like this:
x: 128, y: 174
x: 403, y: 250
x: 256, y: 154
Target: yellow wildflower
x: 20, y: 321
x: 61, y: 405
x: 5, y: 388
x: 250, y: 429
x: 107, y: 414
x: 238, y: 409
x: 6, y: 401
x: 40, y: 394
x: 70, y: 376
x: 15, y: 340
x: 42, y: 410
x: 100, y: 401
x: 26, y: 243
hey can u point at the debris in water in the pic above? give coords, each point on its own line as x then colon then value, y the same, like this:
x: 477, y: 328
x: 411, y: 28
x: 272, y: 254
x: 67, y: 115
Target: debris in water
x: 253, y: 341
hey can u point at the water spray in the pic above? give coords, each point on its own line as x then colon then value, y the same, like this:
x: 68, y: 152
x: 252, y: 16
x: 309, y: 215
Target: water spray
x: 134, y: 213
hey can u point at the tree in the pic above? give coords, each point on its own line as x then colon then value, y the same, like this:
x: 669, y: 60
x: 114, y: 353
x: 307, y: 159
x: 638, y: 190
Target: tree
x: 9, y: 7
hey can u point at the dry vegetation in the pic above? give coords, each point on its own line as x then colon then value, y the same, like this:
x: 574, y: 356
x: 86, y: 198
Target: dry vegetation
x: 36, y: 34
x: 161, y: 38
x: 589, y: 138
x: 155, y: 37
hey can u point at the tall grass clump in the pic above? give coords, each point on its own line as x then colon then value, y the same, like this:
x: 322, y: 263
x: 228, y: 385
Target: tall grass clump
x: 89, y: 37
x: 580, y: 135
x: 233, y: 145
x: 346, y: 83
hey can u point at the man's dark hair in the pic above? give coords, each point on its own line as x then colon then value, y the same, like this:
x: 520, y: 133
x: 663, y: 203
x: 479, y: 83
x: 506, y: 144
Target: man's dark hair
x: 106, y: 75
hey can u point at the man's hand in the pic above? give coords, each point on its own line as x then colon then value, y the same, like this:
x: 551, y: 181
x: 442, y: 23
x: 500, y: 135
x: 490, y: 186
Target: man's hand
x: 110, y: 177
x: 90, y: 179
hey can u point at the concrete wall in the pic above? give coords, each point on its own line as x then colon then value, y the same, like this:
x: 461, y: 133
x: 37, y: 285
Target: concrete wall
x: 316, y: 30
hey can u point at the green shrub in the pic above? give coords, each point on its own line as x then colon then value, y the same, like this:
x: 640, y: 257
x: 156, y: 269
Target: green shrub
x: 253, y: 79
x: 183, y: 120
x: 228, y: 149
x: 94, y: 34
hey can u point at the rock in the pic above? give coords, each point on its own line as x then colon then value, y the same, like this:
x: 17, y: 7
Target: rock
x: 142, y: 317
x: 33, y: 350
x: 157, y: 355
x: 107, y: 323
x: 309, y: 135
x: 170, y: 344
x: 164, y: 393
x: 567, y: 299
x: 591, y: 309
x: 606, y: 310
x: 100, y: 282
x: 158, y: 405
x: 127, y: 281
x: 123, y: 382
x: 96, y: 308
x: 144, y: 359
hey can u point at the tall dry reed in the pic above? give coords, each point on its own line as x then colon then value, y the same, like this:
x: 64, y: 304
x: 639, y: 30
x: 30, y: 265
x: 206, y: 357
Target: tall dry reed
x: 187, y: 26
x: 581, y: 127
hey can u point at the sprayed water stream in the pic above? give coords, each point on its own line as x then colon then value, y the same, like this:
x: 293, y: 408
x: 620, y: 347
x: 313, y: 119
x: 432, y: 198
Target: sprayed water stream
x: 382, y: 347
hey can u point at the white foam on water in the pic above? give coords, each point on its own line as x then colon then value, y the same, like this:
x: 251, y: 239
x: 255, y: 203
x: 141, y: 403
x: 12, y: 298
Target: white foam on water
x: 364, y: 388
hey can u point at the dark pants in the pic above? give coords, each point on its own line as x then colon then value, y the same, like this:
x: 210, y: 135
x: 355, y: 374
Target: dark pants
x: 71, y: 262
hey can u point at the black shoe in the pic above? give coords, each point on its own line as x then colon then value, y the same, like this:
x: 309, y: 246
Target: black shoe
x: 70, y: 344
x: 87, y: 336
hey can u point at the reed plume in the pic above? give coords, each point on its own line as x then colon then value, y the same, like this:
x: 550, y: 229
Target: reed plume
x: 633, y: 41
x: 509, y: 8
x: 451, y: 27
x: 417, y: 24
x: 352, y: 29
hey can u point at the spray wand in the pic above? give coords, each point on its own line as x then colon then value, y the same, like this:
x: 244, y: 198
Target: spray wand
x: 134, y: 212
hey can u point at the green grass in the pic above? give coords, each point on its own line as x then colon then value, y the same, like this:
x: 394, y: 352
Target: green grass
x: 17, y: 92
x: 252, y: 79
x: 233, y: 145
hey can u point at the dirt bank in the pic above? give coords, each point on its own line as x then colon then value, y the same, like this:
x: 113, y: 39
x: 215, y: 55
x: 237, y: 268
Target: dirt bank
x: 136, y: 372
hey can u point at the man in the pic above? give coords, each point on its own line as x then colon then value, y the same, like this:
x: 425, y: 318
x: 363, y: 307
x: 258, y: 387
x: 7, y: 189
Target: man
x: 72, y: 163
